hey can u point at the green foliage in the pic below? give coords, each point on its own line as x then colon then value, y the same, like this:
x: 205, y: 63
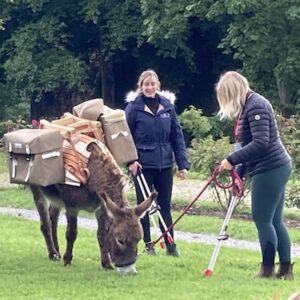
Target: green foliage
x: 193, y: 122
x: 167, y: 28
x: 289, y: 129
x: 199, y: 126
x: 3, y: 163
x: 264, y: 36
x: 39, y: 61
x: 290, y: 133
x: 118, y: 22
x: 292, y: 198
x: 54, y: 54
x: 205, y: 153
x: 14, y: 124
x: 220, y: 128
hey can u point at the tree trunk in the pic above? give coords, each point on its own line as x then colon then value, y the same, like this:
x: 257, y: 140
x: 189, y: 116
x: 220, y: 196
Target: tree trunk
x: 34, y: 109
x: 283, y: 95
x: 108, y: 82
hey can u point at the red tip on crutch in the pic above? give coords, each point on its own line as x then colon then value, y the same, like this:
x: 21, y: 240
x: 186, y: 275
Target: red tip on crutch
x: 207, y: 273
x: 162, y: 245
x: 170, y: 239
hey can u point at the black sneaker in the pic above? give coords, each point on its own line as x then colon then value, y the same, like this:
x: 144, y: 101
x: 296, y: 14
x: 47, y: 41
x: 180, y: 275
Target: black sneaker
x: 149, y: 249
x: 172, y: 250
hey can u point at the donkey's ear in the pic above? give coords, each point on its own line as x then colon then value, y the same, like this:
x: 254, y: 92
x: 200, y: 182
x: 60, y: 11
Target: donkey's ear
x: 111, y: 208
x: 142, y: 208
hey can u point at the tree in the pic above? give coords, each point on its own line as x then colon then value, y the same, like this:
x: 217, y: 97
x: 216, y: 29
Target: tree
x: 57, y: 52
x: 38, y: 62
x: 264, y: 36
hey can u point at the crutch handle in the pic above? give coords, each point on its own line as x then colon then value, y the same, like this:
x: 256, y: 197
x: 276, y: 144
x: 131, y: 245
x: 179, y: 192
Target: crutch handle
x: 236, y: 183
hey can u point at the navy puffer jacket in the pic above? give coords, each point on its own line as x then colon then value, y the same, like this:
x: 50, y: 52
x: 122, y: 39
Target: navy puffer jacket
x: 157, y: 137
x: 262, y: 149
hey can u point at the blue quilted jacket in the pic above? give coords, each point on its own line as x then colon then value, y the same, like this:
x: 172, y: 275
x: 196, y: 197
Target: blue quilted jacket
x: 158, y: 138
x: 262, y: 149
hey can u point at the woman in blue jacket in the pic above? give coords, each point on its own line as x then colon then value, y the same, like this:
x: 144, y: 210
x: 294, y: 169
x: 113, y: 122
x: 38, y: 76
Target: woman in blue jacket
x: 158, y: 138
x: 263, y: 156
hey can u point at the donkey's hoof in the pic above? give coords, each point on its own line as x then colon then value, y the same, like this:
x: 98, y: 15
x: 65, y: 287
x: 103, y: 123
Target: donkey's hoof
x: 54, y: 257
x: 67, y: 263
x: 107, y: 266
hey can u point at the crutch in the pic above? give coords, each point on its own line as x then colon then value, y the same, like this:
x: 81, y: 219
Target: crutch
x: 154, y: 207
x: 237, y: 192
x: 211, y: 179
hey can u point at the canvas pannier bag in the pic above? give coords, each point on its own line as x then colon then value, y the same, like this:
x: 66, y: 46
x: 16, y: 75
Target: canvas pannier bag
x: 118, y: 137
x: 90, y: 109
x: 35, y: 156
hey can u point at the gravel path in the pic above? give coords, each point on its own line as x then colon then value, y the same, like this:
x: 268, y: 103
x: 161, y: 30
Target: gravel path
x: 184, y: 236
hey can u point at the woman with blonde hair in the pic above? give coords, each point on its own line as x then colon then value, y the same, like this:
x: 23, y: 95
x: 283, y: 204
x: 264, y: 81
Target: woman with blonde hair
x: 158, y: 137
x: 263, y: 157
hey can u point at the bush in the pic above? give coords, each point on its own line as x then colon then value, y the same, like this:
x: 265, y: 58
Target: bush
x: 289, y: 129
x: 11, y: 125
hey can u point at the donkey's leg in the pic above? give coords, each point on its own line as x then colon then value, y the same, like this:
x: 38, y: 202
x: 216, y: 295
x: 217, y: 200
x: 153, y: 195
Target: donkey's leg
x: 102, y: 233
x: 45, y: 222
x: 54, y: 215
x: 71, y: 234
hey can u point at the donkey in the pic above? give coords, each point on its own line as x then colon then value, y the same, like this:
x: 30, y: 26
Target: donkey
x: 119, y: 229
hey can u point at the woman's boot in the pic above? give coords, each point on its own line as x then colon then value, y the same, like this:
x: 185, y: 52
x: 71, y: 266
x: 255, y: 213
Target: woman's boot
x: 285, y: 271
x: 266, y: 271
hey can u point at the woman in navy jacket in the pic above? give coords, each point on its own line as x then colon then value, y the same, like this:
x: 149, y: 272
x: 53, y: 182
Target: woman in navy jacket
x: 158, y: 138
x: 263, y: 156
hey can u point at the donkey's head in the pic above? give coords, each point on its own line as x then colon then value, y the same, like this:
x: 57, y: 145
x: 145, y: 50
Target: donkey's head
x: 125, y: 232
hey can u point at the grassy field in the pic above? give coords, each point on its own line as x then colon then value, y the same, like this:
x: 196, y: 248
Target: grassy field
x: 238, y: 229
x: 26, y: 272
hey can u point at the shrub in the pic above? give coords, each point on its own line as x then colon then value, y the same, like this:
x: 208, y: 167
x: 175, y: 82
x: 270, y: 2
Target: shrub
x: 289, y: 129
x: 11, y: 125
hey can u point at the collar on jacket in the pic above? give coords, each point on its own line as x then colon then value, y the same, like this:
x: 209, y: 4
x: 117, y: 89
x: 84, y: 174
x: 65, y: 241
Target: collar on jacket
x: 138, y: 103
x: 132, y: 95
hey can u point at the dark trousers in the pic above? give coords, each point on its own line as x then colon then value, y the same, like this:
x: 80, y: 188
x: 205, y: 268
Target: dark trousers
x: 267, y: 197
x: 162, y: 182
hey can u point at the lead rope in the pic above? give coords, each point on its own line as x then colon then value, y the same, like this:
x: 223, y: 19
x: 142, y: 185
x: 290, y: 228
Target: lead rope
x: 236, y: 184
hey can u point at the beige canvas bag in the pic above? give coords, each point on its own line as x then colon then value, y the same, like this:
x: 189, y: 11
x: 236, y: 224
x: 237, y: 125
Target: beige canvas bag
x: 117, y: 136
x: 35, y: 156
x: 90, y: 109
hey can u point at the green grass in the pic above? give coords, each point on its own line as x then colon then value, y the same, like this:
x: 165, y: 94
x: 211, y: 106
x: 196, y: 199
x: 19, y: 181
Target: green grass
x: 3, y: 162
x: 238, y: 229
x: 19, y: 197
x: 26, y: 272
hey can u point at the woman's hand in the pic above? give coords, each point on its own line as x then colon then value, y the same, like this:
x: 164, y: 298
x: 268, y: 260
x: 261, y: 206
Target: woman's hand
x: 134, y: 167
x: 225, y: 165
x: 182, y: 174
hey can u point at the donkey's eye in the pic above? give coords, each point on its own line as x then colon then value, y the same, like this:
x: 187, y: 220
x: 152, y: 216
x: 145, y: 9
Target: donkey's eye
x: 120, y: 243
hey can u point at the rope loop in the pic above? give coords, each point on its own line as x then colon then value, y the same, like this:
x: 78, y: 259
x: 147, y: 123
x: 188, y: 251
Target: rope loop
x: 236, y: 183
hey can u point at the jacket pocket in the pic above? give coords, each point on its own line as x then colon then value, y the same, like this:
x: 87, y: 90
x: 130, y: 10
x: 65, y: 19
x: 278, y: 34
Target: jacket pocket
x: 146, y: 147
x: 148, y: 155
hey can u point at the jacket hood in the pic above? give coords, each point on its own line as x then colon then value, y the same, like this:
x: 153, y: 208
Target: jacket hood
x: 167, y: 94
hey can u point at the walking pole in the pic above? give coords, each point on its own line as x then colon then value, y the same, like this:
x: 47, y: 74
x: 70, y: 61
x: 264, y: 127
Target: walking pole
x: 223, y: 236
x: 154, y: 208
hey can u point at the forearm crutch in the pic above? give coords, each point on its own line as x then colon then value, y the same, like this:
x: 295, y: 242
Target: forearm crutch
x: 223, y: 236
x: 154, y: 208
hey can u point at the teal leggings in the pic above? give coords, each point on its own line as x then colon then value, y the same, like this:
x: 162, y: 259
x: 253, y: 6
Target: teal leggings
x: 267, y: 196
